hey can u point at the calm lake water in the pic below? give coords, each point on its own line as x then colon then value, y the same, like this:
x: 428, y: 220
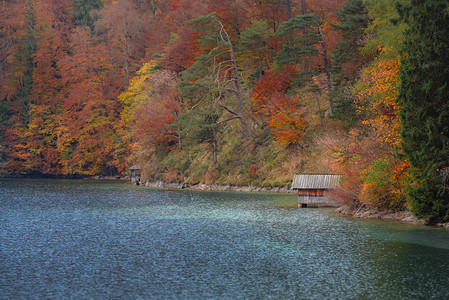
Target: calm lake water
x: 82, y: 239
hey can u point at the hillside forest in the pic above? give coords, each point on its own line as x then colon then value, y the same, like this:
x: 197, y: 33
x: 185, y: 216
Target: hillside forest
x: 241, y: 92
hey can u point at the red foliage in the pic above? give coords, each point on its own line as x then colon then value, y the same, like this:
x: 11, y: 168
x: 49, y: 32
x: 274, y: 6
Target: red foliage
x: 159, y: 111
x: 279, y: 111
x: 87, y: 131
x: 183, y: 52
x: 274, y: 81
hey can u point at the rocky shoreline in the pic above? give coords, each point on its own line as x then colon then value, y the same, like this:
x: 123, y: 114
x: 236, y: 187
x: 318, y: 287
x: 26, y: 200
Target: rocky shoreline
x: 217, y: 187
x: 402, y: 216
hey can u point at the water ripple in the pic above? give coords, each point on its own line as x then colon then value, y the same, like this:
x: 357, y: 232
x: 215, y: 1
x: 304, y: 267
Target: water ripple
x: 80, y: 239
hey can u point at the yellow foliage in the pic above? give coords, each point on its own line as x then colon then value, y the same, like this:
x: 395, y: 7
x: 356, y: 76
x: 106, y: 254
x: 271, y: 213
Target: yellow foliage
x: 376, y: 100
x: 139, y: 89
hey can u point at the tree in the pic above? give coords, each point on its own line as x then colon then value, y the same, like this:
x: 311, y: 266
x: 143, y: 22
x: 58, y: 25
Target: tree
x: 273, y: 12
x: 254, y: 42
x: 376, y: 92
x: 21, y: 77
x: 55, y: 22
x: 87, y: 132
x: 32, y: 141
x: 18, y: 89
x: 281, y: 112
x: 348, y: 59
x: 181, y: 53
x: 424, y: 106
x: 215, y: 72
x: 123, y: 27
x: 299, y: 38
x: 156, y: 112
x: 86, y: 12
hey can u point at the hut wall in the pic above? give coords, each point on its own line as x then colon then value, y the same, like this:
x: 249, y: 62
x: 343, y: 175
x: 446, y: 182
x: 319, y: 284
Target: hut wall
x: 311, y: 192
x: 307, y: 199
x: 135, y: 176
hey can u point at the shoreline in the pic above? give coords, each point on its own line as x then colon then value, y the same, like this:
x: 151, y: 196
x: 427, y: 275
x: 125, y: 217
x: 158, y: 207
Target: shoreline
x: 404, y: 216
x: 217, y: 187
x: 356, y: 213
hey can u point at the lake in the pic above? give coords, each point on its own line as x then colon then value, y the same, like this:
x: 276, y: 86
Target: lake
x: 97, y: 239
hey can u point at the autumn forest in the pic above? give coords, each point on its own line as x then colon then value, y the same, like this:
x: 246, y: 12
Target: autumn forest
x: 242, y: 92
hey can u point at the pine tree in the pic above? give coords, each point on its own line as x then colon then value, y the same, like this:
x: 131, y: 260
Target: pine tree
x: 215, y: 72
x: 22, y: 79
x: 424, y: 106
x: 354, y: 18
x: 254, y: 43
x: 85, y: 12
x: 19, y: 87
x: 299, y: 37
x: 348, y: 60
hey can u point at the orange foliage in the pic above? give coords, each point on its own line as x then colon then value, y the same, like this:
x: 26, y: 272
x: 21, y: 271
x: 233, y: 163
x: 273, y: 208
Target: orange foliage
x: 33, y: 147
x: 286, y: 119
x: 87, y: 129
x: 278, y: 110
x: 372, y: 171
x: 273, y: 81
x: 376, y: 98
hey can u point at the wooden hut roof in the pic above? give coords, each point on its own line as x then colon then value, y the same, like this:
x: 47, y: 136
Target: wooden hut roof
x: 315, y: 181
x: 135, y: 167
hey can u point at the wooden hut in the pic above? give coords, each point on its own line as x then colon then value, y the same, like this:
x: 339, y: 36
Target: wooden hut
x: 312, y: 189
x: 135, y: 174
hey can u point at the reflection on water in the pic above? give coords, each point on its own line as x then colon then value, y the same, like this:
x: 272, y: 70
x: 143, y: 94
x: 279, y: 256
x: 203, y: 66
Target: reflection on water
x: 82, y: 239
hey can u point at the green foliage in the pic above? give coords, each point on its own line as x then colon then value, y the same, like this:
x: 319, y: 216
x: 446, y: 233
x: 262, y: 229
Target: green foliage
x: 254, y: 43
x: 380, y: 189
x: 208, y: 28
x: 85, y: 12
x: 256, y: 36
x: 354, y: 18
x: 299, y: 36
x: 424, y: 106
x: 23, y: 79
x: 4, y: 117
x: 197, y: 126
x: 386, y: 27
x: 198, y: 83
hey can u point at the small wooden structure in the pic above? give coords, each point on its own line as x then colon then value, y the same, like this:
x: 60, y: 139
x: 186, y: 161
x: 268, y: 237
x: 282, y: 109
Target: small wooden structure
x: 312, y: 189
x: 135, y: 174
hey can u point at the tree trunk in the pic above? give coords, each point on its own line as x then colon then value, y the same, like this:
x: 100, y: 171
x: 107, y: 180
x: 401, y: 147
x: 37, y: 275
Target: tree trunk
x: 327, y: 69
x: 239, y: 94
x: 303, y: 5
x: 289, y: 9
x: 238, y: 91
x: 153, y: 7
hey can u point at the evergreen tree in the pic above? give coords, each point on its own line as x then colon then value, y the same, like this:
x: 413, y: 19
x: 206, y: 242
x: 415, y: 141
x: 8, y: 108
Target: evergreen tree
x: 348, y: 60
x: 254, y: 43
x: 214, y: 76
x: 85, y: 12
x: 23, y: 73
x: 4, y: 117
x: 299, y: 36
x: 424, y: 106
x: 354, y: 18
